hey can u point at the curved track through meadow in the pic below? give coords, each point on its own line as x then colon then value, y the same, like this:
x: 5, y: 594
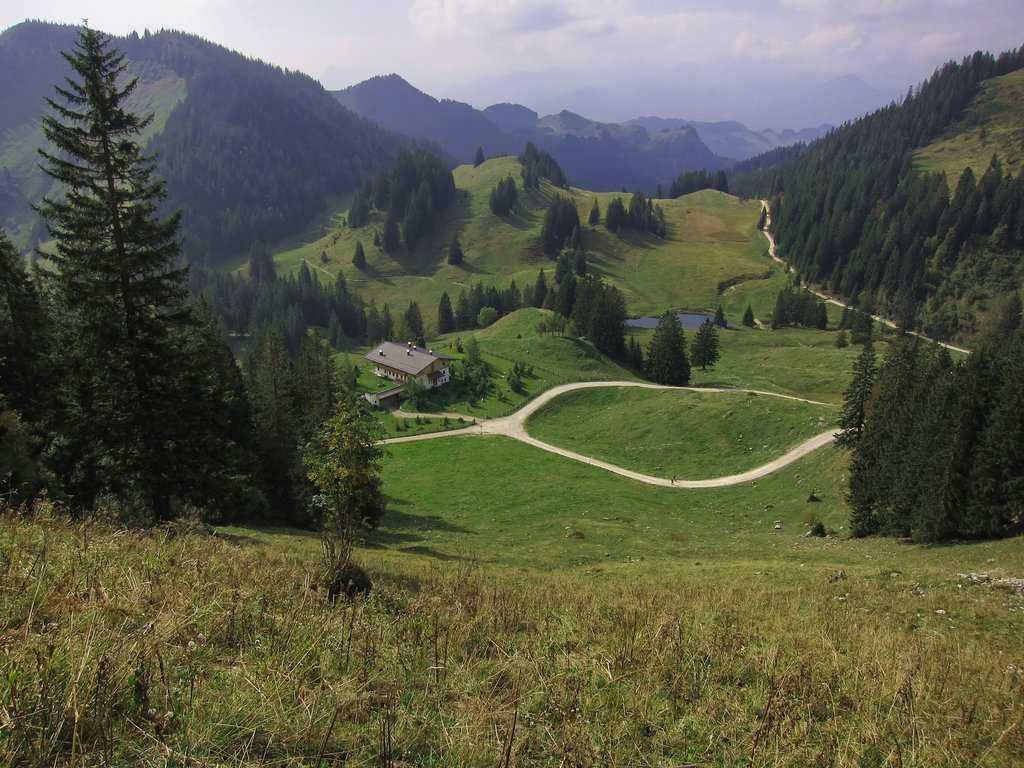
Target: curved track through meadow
x: 514, y: 426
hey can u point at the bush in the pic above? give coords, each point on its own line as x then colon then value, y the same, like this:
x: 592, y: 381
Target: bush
x: 348, y: 580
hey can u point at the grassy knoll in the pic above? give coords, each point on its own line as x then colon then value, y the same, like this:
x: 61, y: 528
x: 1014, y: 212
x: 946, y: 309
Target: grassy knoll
x: 994, y: 127
x: 692, y: 435
x: 515, y: 337
x: 713, y: 252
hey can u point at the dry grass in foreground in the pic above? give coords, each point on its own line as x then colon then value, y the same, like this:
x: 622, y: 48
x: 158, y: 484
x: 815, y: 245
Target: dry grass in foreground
x: 165, y: 648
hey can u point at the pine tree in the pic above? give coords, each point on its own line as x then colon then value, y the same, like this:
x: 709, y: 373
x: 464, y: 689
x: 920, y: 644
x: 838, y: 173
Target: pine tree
x: 705, y: 351
x: 666, y: 361
x: 445, y: 316
x: 478, y: 158
x: 359, y: 257
x: 120, y: 295
x: 855, y: 399
x: 414, y: 322
x: 748, y: 317
x: 720, y: 320
x: 455, y: 254
x: 595, y: 214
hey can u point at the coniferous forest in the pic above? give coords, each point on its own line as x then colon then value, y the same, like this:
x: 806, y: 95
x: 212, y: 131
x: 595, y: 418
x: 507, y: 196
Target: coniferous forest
x: 854, y: 215
x: 937, y: 445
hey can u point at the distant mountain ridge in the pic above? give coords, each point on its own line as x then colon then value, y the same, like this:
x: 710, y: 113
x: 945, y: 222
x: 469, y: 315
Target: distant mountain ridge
x: 598, y: 156
x: 642, y: 153
x: 733, y: 139
x: 250, y: 152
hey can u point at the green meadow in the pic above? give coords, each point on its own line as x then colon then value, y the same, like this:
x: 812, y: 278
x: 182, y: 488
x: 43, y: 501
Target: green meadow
x: 992, y: 128
x: 691, y: 435
x: 530, y: 609
x: 712, y: 254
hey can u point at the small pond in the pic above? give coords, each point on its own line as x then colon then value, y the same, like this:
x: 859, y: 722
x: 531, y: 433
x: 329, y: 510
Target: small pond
x: 689, y: 320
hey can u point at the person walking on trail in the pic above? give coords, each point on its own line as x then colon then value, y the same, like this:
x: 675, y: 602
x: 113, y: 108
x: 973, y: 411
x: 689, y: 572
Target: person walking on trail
x: 673, y: 479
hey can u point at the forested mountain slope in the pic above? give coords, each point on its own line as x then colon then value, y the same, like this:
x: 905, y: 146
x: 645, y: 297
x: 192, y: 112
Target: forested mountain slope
x: 250, y: 152
x: 994, y: 124
x: 855, y: 214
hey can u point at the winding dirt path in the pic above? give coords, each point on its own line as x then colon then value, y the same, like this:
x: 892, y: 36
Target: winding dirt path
x: 831, y: 300
x: 514, y: 426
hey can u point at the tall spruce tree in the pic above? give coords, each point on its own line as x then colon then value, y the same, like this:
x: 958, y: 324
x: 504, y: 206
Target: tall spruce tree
x: 119, y: 295
x: 855, y: 399
x: 705, y: 351
x: 445, y: 315
x: 666, y: 361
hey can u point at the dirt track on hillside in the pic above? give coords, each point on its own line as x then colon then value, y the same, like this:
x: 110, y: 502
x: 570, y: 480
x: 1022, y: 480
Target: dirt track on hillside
x: 829, y: 299
x: 514, y: 426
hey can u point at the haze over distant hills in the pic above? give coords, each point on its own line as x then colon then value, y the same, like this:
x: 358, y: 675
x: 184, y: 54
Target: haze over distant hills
x: 771, y: 97
x: 601, y: 156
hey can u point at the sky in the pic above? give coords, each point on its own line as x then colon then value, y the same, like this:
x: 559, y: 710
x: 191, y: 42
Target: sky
x: 487, y: 51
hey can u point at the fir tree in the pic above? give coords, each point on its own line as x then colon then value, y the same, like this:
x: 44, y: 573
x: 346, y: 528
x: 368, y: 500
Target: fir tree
x: 359, y: 257
x: 540, y: 290
x: 704, y: 351
x: 478, y: 158
x: 122, y: 399
x: 414, y: 322
x: 455, y: 254
x: 748, y: 317
x: 666, y: 361
x: 445, y: 316
x: 855, y: 399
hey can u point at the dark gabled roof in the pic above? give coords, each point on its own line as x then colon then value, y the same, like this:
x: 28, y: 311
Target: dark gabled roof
x: 406, y: 358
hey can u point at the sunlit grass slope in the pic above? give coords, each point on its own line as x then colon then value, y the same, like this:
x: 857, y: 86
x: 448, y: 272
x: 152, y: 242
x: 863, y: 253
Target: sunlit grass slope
x: 691, y: 435
x: 995, y: 126
x: 729, y: 644
x: 712, y: 254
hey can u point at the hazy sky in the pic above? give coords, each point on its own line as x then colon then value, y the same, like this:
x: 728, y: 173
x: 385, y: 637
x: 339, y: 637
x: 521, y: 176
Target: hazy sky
x: 442, y: 46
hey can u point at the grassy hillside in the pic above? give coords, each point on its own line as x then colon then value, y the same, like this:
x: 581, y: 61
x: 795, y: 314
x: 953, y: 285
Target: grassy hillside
x: 539, y: 620
x: 713, y: 252
x: 995, y: 125
x: 157, y: 93
x: 692, y: 435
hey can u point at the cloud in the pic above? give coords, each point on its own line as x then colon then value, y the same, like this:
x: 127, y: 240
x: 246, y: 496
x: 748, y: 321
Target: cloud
x: 838, y: 41
x: 492, y: 17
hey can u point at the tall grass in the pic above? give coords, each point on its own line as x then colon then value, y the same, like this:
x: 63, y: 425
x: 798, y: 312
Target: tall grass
x: 177, y: 648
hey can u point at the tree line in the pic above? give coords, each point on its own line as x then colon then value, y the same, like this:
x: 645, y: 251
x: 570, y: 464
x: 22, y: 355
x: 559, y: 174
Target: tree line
x: 937, y: 444
x: 120, y: 393
x: 688, y: 182
x: 538, y: 164
x: 412, y: 195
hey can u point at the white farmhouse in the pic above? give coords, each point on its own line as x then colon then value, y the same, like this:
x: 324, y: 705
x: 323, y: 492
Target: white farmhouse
x: 400, y: 362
